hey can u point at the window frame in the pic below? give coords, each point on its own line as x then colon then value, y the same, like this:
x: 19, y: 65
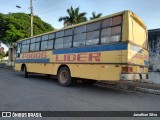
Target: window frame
x: 79, y: 27
x: 90, y: 33
x: 44, y: 36
x: 75, y: 32
x: 121, y: 25
x: 24, y: 42
x: 84, y: 40
x: 52, y: 44
x: 62, y: 31
x: 100, y: 22
x: 68, y: 34
x: 41, y: 45
x: 55, y: 43
x: 71, y: 41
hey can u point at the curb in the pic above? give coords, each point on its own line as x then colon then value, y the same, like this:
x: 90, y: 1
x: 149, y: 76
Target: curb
x: 145, y: 90
x: 128, y: 87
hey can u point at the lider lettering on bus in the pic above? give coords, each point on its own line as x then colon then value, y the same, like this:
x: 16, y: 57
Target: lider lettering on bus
x: 35, y: 55
x: 81, y: 57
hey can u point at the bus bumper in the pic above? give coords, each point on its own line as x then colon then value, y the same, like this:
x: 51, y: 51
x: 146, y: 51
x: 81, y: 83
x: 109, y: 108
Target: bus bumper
x: 134, y: 76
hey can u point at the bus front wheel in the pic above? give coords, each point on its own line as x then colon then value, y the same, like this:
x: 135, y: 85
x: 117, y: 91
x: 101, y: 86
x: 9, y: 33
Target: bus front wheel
x: 25, y: 72
x: 64, y: 77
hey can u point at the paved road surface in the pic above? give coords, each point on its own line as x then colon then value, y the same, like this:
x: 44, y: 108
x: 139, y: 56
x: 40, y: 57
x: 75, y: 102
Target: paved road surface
x: 39, y: 93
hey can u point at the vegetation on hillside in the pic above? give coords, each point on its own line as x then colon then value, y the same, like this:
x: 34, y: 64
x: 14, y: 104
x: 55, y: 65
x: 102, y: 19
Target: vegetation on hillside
x: 15, y: 26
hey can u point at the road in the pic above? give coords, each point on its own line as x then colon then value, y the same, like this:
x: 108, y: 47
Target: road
x: 39, y: 93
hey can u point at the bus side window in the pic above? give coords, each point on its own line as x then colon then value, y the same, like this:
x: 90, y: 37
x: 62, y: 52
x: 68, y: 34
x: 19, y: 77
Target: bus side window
x: 37, y: 46
x: 67, y: 42
x: 27, y: 48
x: 18, y: 50
x: 93, y: 26
x: 92, y: 38
x: 33, y: 40
x: 111, y: 30
x: 107, y: 23
x: 116, y: 20
x: 24, y: 42
x: 50, y: 44
x: 116, y: 34
x: 58, y: 43
x: 51, y: 36
x: 23, y: 48
x: 80, y: 29
x: 38, y: 39
x: 32, y: 46
x: 60, y: 34
x: 79, y: 40
x: 43, y: 45
x: 44, y: 37
x: 106, y: 35
x: 68, y: 32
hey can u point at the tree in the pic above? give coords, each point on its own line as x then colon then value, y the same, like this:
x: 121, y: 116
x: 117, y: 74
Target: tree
x: 2, y: 55
x: 74, y: 17
x: 7, y: 52
x: 15, y: 26
x: 94, y: 15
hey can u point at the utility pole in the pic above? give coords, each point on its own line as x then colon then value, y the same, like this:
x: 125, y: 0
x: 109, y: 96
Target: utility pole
x: 31, y: 9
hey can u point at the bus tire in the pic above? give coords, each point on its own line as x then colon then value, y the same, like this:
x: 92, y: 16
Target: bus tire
x: 64, y: 77
x: 25, y: 72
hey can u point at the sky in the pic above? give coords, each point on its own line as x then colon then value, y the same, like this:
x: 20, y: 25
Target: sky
x: 50, y: 10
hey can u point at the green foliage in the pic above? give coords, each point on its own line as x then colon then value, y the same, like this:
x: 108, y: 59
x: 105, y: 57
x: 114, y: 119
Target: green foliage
x: 94, y: 15
x: 6, y: 54
x: 74, y: 17
x: 15, y: 26
x: 2, y: 55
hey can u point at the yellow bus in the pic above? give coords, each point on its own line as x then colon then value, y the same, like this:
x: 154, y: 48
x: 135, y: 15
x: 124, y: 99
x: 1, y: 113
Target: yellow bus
x: 113, y: 48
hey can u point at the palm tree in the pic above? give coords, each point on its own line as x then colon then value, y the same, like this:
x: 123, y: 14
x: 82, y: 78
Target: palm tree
x: 74, y: 17
x: 94, y: 16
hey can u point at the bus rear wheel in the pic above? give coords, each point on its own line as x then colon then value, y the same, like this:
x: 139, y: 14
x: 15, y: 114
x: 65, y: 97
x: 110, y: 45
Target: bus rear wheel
x: 25, y: 72
x: 64, y: 77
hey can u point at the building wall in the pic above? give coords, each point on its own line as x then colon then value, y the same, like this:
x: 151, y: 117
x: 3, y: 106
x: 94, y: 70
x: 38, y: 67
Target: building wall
x: 154, y: 49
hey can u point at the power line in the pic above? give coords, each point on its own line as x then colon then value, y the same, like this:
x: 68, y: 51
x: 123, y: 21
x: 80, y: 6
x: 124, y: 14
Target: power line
x: 47, y: 11
x: 42, y: 2
x: 46, y: 6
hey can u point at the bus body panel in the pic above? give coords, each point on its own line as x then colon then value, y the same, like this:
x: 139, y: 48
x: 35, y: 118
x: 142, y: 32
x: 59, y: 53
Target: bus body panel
x: 98, y: 62
x: 138, y: 55
x: 93, y: 65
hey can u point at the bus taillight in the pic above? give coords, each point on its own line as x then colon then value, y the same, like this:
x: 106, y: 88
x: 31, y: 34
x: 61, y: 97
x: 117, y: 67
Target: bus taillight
x: 127, y: 69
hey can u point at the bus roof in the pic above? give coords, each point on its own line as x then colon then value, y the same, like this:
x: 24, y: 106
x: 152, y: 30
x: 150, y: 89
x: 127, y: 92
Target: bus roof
x: 87, y: 22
